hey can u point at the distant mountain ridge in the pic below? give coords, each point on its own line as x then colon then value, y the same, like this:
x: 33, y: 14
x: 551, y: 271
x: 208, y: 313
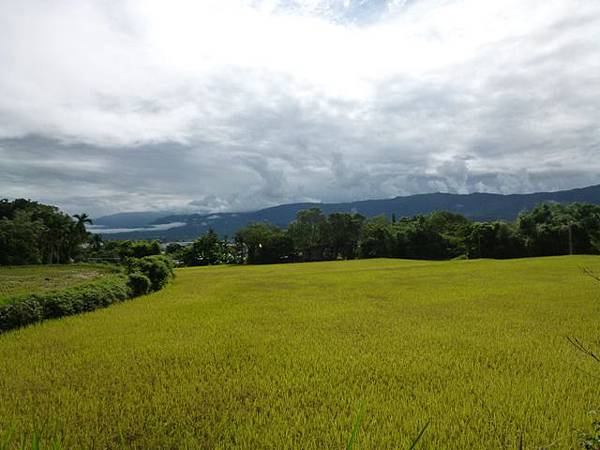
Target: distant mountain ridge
x: 476, y: 206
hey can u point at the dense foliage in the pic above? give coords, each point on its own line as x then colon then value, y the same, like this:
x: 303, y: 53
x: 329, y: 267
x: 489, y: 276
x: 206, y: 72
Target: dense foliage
x: 208, y: 250
x: 120, y: 251
x: 549, y: 229
x: 139, y: 283
x: 157, y: 268
x: 33, y: 233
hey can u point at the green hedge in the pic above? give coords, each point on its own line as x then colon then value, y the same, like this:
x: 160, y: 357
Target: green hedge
x: 30, y: 308
x: 144, y: 275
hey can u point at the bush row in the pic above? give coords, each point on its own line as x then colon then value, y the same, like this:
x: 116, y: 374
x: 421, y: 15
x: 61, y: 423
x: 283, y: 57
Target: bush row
x: 26, y: 309
x: 143, y: 275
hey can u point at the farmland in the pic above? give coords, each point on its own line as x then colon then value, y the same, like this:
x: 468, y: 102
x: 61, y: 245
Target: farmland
x: 285, y: 356
x: 18, y: 280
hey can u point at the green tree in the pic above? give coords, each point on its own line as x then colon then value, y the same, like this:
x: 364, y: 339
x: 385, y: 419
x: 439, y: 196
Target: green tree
x: 173, y: 248
x: 82, y: 220
x: 58, y: 237
x: 137, y: 249
x: 343, y: 233
x: 309, y: 234
x: 554, y: 229
x: 423, y: 241
x: 376, y: 239
x: 494, y: 240
x: 207, y: 250
x: 19, y: 239
x: 261, y: 243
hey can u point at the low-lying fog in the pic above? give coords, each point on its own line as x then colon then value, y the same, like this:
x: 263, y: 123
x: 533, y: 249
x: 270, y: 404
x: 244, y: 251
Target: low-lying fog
x: 163, y: 226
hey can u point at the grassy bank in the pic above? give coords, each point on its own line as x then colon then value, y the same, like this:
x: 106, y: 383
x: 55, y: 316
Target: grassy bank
x: 283, y: 356
x: 19, y: 280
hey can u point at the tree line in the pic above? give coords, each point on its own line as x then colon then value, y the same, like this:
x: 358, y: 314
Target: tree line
x: 549, y: 229
x: 34, y: 233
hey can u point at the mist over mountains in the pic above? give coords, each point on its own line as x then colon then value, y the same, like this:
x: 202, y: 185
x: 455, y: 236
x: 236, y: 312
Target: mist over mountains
x: 476, y: 206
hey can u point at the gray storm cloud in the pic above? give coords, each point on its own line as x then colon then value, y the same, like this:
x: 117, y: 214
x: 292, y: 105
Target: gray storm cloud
x: 236, y: 105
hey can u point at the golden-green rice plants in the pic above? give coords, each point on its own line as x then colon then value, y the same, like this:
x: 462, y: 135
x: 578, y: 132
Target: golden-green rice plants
x: 283, y: 356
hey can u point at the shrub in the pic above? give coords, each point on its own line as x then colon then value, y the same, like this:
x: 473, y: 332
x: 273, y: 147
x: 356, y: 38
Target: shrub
x: 139, y: 283
x: 19, y: 313
x: 158, y: 268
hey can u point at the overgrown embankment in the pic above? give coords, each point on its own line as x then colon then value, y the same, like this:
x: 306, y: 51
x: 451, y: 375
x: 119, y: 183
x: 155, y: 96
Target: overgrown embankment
x: 19, y: 280
x: 108, y: 285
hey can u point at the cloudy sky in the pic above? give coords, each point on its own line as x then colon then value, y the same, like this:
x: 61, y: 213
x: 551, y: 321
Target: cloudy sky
x: 229, y: 105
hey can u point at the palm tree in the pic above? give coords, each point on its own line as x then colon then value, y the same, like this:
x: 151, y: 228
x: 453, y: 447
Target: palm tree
x: 79, y: 233
x: 82, y: 219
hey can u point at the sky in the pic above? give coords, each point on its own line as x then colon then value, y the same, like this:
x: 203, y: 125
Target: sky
x: 235, y: 105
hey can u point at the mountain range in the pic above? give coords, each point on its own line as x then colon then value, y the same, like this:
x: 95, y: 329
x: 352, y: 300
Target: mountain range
x: 476, y: 206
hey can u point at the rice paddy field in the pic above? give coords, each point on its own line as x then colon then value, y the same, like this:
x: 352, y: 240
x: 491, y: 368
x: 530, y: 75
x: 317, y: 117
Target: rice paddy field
x: 285, y: 356
x: 18, y: 280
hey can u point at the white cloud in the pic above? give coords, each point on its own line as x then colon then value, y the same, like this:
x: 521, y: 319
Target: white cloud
x: 249, y: 103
